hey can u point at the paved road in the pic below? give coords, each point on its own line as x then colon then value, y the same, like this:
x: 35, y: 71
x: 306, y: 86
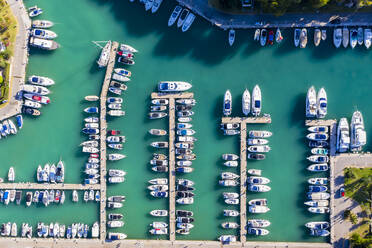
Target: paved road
x: 19, y: 60
x: 226, y: 21
x: 342, y: 229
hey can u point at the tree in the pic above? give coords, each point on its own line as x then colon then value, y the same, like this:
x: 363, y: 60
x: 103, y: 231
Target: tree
x: 318, y: 3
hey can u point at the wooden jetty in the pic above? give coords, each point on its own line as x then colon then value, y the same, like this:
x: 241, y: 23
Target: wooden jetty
x: 243, y: 121
x: 47, y: 186
x: 103, y: 132
x: 172, y: 157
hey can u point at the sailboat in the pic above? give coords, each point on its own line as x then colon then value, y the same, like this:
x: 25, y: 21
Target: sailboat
x: 278, y: 36
x: 105, y: 55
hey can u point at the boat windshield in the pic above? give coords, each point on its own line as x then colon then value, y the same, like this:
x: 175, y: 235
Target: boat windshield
x: 38, y: 32
x: 227, y: 105
x: 34, y: 79
x: 257, y: 104
x: 323, y: 105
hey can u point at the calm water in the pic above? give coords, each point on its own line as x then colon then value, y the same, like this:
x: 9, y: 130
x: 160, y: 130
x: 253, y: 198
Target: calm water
x: 201, y: 56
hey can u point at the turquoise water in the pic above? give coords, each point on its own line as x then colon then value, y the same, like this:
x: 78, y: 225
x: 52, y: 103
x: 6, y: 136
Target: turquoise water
x: 203, y: 57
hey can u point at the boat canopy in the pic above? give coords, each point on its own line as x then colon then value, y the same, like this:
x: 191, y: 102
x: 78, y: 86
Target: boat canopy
x: 34, y: 79
x: 39, y: 32
x: 257, y: 104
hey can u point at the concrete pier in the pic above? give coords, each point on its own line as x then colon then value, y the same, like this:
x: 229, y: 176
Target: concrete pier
x: 103, y: 132
x: 47, y: 186
x: 172, y: 157
x: 243, y: 121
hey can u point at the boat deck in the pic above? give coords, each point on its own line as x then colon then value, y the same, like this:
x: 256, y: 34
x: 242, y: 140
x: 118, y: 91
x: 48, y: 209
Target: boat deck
x: 103, y: 132
x: 172, y: 156
x: 243, y: 121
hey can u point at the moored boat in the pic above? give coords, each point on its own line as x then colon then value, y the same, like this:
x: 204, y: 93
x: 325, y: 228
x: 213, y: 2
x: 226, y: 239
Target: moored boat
x: 345, y: 37
x: 256, y: 101
x: 337, y: 37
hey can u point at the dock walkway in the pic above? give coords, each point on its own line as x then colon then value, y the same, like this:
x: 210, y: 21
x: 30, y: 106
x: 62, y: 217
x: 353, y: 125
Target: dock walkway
x: 243, y: 121
x: 172, y: 157
x: 103, y: 131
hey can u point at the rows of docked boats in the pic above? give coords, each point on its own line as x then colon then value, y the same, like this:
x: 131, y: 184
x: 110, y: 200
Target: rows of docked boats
x: 351, y: 138
x: 264, y: 36
x: 7, y: 127
x: 125, y: 56
x: 184, y: 219
x: 53, y: 230
x: 41, y: 37
x: 35, y: 94
x: 183, y: 16
x: 51, y: 173
x: 250, y: 105
x: 152, y: 5
x: 353, y: 37
x: 44, y: 197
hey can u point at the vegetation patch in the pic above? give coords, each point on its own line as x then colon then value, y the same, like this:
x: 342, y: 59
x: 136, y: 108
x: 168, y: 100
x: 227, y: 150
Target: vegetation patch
x: 8, y: 32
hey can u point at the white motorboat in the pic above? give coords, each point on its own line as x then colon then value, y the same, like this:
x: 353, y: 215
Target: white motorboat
x: 120, y: 78
x: 318, y: 159
x: 252, y: 142
x: 258, y: 180
x: 360, y: 36
x: 234, y: 201
x: 254, y: 172
x: 185, y: 12
x: 11, y: 174
x: 318, y: 225
x: 229, y: 175
x: 258, y: 223
x: 343, y: 136
x: 105, y: 55
x: 246, y: 102
x: 185, y: 182
x: 92, y: 143
x: 358, y: 134
x: 159, y: 144
x: 337, y: 37
x: 43, y: 34
x: 158, y: 132
x: 115, y: 223
x: 227, y: 238
x: 318, y: 203
x: 230, y: 195
x: 173, y: 86
x: 157, y: 115
x: 317, y: 37
x: 231, y: 163
x: 35, y: 89
x: 322, y: 103
x: 159, y: 213
x: 318, y: 129
x: 175, y: 14
x: 116, y: 179
x: 89, y: 149
x: 256, y: 101
x: 353, y: 38
x: 127, y: 48
x: 158, y: 187
x: 228, y: 183
x: 278, y: 36
x: 116, y: 112
x: 257, y: 33
x: 156, y: 5
x: 318, y: 181
x: 116, y: 173
x: 345, y: 37
x: 31, y: 104
x: 324, y: 34
x: 311, y: 102
x: 303, y: 38
x: 114, y: 235
x: 159, y: 224
x: 189, y: 20
x: 259, y: 148
x: 185, y: 201
x: 115, y: 106
x: 231, y: 37
x: 259, y: 134
x: 296, y: 36
x: 263, y: 37
x: 148, y: 4
x: 158, y: 181
x: 318, y: 167
x: 317, y: 136
x: 91, y: 98
x: 43, y: 44
x: 229, y: 225
x: 35, y: 11
x: 367, y: 38
x: 229, y: 156
x: 42, y: 24
x: 158, y: 231
x: 258, y: 188
x: 230, y: 213
x: 227, y: 103
x: 39, y: 80
x: 318, y: 210
x: 257, y: 231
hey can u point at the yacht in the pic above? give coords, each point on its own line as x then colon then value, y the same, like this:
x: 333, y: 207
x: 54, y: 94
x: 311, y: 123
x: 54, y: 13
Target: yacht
x: 259, y: 148
x: 318, y: 225
x: 229, y: 156
x: 345, y: 37
x: 317, y: 203
x: 252, y: 142
x: 258, y: 202
x: 317, y: 37
x: 116, y: 112
x: 337, y: 37
x: 173, y: 86
x: 35, y: 89
x: 231, y: 37
x: 318, y: 181
x: 311, y: 102
x: 42, y: 24
x: 115, y: 156
x: 318, y: 129
x: 256, y: 209
x: 227, y: 238
x: 353, y: 38
x: 318, y: 210
x: 258, y: 188
x: 318, y: 167
x: 159, y: 213
x: 322, y: 103
x: 367, y: 38
x: 303, y: 38
x: 318, y: 159
x: 256, y: 101
x: 230, y: 195
x: 358, y: 134
x: 263, y: 37
x: 258, y: 180
x: 75, y: 196
x: 297, y: 34
x: 127, y: 48
x: 259, y: 134
x: 105, y: 55
x: 360, y: 36
x: 246, y: 102
x: 189, y: 20
x: 43, y: 44
x: 230, y: 213
x: 229, y: 175
x: 343, y: 136
x: 39, y: 80
x: 257, y: 231
x: 175, y: 14
x: 254, y: 172
x: 43, y: 34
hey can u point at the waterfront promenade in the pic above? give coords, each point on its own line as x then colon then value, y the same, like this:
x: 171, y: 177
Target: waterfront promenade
x: 242, y: 21
x: 19, y: 60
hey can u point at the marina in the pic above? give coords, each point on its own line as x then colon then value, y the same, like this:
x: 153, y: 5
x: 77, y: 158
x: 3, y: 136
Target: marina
x: 54, y: 133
